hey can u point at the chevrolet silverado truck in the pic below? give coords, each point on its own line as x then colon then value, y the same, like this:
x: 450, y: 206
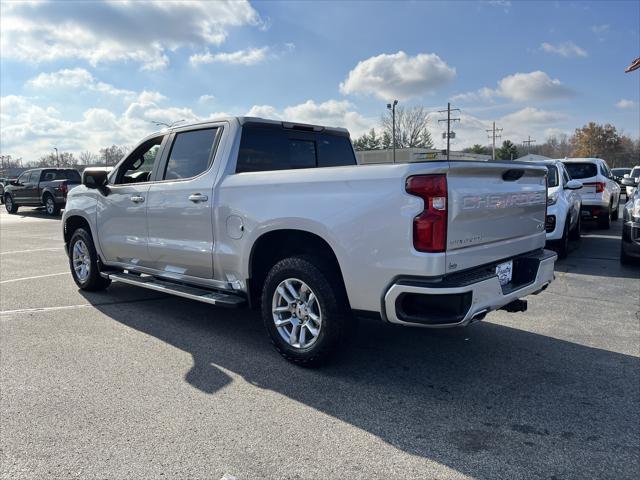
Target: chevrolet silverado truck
x: 279, y: 216
x: 46, y: 187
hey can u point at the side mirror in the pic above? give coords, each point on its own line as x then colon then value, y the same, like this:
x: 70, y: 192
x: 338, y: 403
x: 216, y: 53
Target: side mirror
x: 95, y: 178
x: 630, y: 181
x: 573, y: 185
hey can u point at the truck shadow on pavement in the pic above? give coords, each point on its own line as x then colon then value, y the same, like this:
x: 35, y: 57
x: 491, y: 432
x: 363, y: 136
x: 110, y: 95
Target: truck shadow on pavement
x: 489, y: 401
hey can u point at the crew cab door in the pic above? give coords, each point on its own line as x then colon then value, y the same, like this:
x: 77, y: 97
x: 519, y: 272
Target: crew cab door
x: 30, y: 190
x: 122, y: 208
x: 19, y: 186
x: 180, y: 205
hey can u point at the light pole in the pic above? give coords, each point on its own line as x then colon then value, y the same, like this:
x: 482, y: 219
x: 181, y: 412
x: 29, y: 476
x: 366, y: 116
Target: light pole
x: 57, y: 157
x: 392, y: 107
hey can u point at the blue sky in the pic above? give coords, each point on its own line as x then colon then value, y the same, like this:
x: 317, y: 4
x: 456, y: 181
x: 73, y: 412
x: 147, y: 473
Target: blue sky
x: 84, y: 75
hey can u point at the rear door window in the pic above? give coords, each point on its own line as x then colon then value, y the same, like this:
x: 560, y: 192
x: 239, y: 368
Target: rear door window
x: 581, y: 170
x: 191, y: 154
x: 274, y: 148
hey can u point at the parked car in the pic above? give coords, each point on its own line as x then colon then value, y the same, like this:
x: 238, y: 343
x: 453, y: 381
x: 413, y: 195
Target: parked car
x: 46, y: 187
x: 600, y: 193
x: 563, y: 221
x: 618, y: 175
x: 279, y: 215
x: 630, y: 246
x: 635, y: 174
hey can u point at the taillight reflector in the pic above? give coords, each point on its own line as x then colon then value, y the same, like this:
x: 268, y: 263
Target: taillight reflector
x: 599, y: 186
x: 430, y: 226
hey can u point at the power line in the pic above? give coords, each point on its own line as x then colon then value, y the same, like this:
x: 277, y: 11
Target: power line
x: 449, y: 120
x: 495, y: 133
x: 528, y: 142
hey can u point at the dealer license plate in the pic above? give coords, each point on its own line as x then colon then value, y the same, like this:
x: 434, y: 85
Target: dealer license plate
x: 504, y: 271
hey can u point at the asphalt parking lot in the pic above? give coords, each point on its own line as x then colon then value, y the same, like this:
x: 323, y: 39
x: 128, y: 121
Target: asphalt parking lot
x: 128, y: 383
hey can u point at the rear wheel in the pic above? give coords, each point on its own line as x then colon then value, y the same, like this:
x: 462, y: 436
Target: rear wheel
x: 605, y: 222
x: 575, y: 233
x: 9, y: 204
x: 50, y: 206
x: 614, y: 213
x: 305, y: 311
x: 84, y: 262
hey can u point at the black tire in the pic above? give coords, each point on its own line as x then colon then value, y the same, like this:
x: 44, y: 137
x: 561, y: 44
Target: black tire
x: 624, y: 258
x: 605, y: 223
x: 576, y: 232
x: 93, y: 281
x: 50, y: 206
x: 562, y: 247
x: 614, y: 213
x: 337, y: 323
x: 9, y: 204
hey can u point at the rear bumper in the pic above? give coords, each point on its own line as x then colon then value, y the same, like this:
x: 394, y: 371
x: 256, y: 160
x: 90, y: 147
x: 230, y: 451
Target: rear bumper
x: 631, y: 238
x: 594, y: 211
x: 459, y: 299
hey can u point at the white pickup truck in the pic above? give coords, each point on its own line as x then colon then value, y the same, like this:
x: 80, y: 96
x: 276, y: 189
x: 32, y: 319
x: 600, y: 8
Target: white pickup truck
x: 279, y: 216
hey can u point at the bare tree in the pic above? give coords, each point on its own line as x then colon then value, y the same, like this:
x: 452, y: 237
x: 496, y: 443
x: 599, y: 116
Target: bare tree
x: 411, y: 127
x: 63, y: 159
x: 109, y: 156
x: 88, y: 158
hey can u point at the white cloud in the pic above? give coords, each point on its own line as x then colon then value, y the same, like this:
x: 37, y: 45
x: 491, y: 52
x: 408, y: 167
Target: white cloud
x: 99, y: 32
x: 332, y: 113
x: 206, y: 98
x: 520, y: 87
x: 250, y: 56
x: 76, y: 79
x: 29, y: 130
x: 533, y: 116
x: 624, y: 103
x: 398, y: 75
x: 565, y: 49
x: 600, y: 29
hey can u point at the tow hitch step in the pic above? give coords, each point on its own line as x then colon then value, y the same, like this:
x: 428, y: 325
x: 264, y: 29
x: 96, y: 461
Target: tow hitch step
x: 186, y: 291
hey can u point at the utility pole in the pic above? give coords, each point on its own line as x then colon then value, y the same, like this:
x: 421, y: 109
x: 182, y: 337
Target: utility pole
x: 495, y: 133
x: 528, y: 142
x: 392, y: 107
x: 449, y: 120
x: 57, y: 157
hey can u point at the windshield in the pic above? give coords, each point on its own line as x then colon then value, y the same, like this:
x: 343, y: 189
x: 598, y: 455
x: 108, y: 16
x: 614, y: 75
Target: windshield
x: 635, y: 173
x: 619, y: 172
x: 581, y: 170
x: 552, y: 177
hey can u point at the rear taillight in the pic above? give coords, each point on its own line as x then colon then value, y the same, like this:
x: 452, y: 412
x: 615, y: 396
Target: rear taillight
x: 599, y: 186
x: 430, y: 227
x: 64, y: 188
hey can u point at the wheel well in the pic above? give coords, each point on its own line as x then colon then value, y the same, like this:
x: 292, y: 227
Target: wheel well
x: 273, y: 246
x: 72, y: 224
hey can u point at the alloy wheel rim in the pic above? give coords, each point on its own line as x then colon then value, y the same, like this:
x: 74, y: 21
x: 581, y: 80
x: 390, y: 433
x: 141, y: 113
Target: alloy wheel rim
x: 296, y: 313
x: 81, y: 260
x: 9, y: 203
x: 50, y: 205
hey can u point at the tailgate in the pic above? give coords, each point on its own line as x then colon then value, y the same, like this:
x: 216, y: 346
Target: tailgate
x: 496, y: 210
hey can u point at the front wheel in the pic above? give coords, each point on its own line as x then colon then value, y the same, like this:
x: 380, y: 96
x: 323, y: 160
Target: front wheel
x: 305, y: 311
x: 10, y: 205
x: 563, y: 243
x: 50, y: 206
x: 83, y: 260
x: 576, y: 232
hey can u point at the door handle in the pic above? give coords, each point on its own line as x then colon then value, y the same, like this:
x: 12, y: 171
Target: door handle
x: 198, y: 197
x: 137, y: 199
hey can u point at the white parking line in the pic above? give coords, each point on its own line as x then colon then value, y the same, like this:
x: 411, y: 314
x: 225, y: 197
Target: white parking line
x: 32, y: 250
x: 43, y: 309
x: 33, y: 278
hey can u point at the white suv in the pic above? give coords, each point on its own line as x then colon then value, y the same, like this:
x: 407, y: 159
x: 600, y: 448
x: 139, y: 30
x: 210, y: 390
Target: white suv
x: 600, y: 193
x: 563, y: 221
x: 635, y: 173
